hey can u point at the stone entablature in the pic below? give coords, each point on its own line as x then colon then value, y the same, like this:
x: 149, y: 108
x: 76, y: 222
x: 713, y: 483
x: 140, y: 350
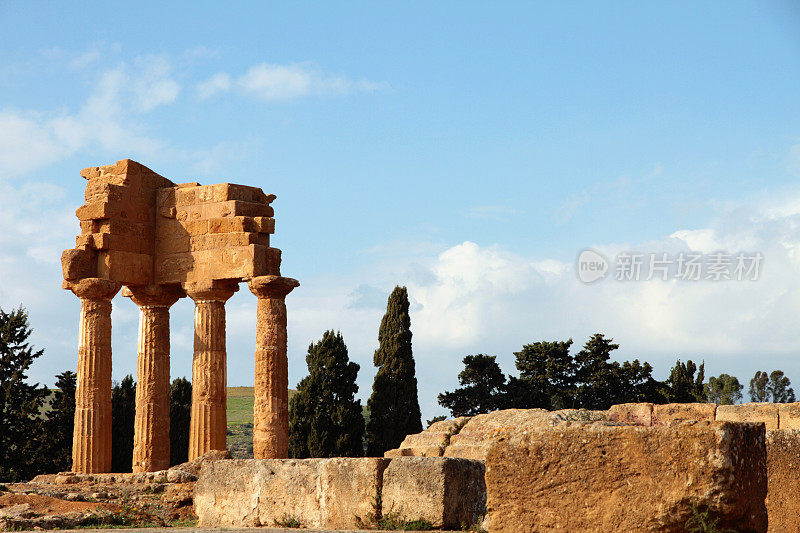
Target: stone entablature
x: 163, y: 241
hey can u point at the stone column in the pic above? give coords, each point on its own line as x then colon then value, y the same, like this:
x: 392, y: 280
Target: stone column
x: 209, y: 367
x: 271, y: 408
x: 151, y: 424
x: 91, y: 438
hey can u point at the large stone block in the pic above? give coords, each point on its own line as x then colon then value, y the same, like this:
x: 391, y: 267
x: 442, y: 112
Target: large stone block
x: 639, y: 414
x: 447, y: 492
x: 431, y: 442
x: 783, y: 478
x: 789, y: 415
x: 328, y: 493
x: 480, y: 431
x: 675, y: 413
x: 767, y: 413
x: 599, y: 478
x: 128, y: 268
x: 79, y: 263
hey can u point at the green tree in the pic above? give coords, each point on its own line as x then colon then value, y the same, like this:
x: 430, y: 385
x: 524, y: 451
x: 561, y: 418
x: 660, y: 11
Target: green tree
x: 546, y: 376
x: 432, y: 421
x: 595, y: 377
x: 774, y: 387
x: 683, y: 386
x: 779, y: 387
x: 123, y: 412
x: 393, y: 405
x: 758, y: 387
x: 325, y: 418
x: 55, y: 452
x: 601, y: 383
x: 636, y: 383
x: 723, y: 390
x: 20, y: 402
x: 180, y: 415
x: 482, y: 387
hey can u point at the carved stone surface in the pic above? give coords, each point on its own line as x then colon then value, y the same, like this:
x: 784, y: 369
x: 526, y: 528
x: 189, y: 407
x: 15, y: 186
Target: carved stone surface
x: 271, y: 402
x: 151, y: 424
x: 208, y: 426
x: 91, y: 443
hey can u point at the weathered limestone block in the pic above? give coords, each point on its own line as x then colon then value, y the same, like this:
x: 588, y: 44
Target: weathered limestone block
x: 78, y: 264
x: 271, y: 401
x: 639, y: 414
x: 599, y: 478
x: 480, y: 431
x: 129, y: 268
x: 783, y: 478
x: 789, y: 415
x: 431, y: 442
x: 448, y: 492
x: 675, y: 413
x: 229, y: 262
x: 91, y: 443
x: 327, y: 493
x: 208, y: 425
x: 750, y: 412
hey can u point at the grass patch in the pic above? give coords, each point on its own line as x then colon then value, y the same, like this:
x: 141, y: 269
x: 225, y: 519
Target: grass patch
x: 703, y: 520
x: 240, y: 405
x: 288, y: 521
x: 391, y: 520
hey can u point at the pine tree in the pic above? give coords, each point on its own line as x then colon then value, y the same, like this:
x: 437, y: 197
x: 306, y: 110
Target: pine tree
x: 123, y: 412
x: 393, y: 406
x: 482, y: 387
x: 55, y: 452
x: 180, y: 415
x: 325, y: 418
x: 20, y: 402
x: 683, y: 386
x: 546, y: 376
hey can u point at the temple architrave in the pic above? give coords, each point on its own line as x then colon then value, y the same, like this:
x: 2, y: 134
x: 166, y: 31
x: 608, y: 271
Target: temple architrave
x: 159, y: 241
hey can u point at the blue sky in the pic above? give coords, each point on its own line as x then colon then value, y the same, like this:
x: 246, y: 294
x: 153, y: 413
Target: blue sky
x: 469, y: 150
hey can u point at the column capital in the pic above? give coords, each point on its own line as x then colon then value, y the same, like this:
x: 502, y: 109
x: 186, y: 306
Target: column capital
x: 154, y: 295
x: 93, y: 288
x: 211, y: 290
x: 272, y: 286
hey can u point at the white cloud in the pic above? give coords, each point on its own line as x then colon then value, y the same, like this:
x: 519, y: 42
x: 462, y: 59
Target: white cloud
x: 31, y: 140
x: 271, y: 82
x: 152, y: 83
x: 218, y: 83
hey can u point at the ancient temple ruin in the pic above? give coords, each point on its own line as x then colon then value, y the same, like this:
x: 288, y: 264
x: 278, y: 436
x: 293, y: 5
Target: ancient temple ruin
x: 163, y: 241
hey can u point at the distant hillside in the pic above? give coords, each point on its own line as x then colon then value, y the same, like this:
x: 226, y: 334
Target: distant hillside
x: 240, y: 405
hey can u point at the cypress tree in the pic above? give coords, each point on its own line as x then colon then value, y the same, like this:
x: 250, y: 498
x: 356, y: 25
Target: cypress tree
x: 180, y: 415
x: 324, y: 417
x: 123, y: 411
x: 55, y: 452
x: 20, y: 403
x: 393, y: 406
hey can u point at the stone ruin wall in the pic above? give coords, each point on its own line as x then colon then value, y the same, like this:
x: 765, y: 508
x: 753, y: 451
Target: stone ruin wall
x: 516, y: 433
x: 164, y: 241
x: 139, y: 228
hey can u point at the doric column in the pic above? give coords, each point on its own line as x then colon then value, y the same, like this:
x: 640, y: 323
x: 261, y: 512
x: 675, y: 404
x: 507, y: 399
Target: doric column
x: 209, y: 367
x: 151, y: 424
x: 271, y: 408
x: 91, y: 438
